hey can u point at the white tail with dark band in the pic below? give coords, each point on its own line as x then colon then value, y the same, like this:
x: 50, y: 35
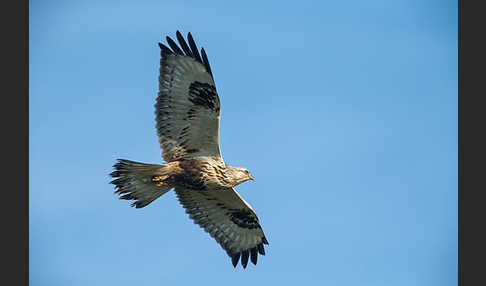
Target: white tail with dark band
x: 140, y: 182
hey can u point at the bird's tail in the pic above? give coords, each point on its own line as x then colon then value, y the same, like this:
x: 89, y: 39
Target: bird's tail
x: 140, y: 182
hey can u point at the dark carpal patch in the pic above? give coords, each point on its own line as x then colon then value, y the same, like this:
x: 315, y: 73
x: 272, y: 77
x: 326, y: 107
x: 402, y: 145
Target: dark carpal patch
x: 244, y: 218
x: 205, y: 95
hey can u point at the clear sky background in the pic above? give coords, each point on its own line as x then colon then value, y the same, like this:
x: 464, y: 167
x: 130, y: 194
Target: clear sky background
x: 345, y: 112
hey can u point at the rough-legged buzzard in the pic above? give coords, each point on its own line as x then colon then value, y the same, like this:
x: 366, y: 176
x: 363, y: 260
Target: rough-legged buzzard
x: 187, y: 120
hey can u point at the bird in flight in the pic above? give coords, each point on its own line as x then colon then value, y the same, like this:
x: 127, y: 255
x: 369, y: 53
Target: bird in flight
x: 187, y: 114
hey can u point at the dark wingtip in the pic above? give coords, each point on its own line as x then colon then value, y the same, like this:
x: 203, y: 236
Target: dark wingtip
x: 244, y: 258
x: 264, y: 240
x: 235, y: 258
x: 261, y: 249
x: 254, y: 255
x: 183, y: 44
x: 174, y: 46
x: 187, y: 50
x: 165, y: 50
x: 193, y: 46
x: 206, y: 61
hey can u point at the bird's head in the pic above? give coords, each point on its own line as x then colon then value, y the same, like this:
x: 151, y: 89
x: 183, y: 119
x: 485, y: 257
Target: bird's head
x: 241, y: 174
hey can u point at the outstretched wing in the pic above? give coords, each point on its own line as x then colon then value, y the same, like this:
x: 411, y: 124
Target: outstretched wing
x: 188, y: 108
x: 229, y: 219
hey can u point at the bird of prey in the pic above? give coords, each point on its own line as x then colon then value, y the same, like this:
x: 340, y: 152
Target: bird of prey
x: 187, y: 114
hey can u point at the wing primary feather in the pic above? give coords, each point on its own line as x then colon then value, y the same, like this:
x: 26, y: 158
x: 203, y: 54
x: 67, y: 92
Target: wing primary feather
x: 174, y: 46
x: 254, y: 255
x: 183, y: 44
x: 193, y: 46
x: 264, y: 240
x: 235, y: 258
x: 205, y: 61
x: 205, y: 210
x: 244, y: 258
x: 261, y: 249
x: 165, y: 49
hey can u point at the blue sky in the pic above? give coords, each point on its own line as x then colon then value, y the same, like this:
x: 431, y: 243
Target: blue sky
x: 345, y: 112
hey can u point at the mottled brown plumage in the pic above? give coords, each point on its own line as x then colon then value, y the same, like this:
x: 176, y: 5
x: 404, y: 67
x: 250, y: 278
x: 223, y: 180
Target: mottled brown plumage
x: 187, y: 115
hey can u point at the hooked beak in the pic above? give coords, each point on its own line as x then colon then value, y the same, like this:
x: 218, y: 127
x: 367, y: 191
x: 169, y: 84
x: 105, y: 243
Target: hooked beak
x: 251, y: 177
